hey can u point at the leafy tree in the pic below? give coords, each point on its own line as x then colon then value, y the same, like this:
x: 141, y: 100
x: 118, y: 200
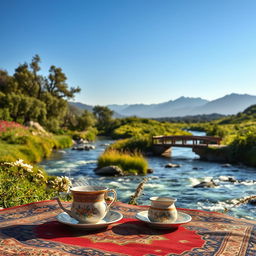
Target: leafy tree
x: 27, y: 95
x: 39, y: 81
x: 86, y: 120
x: 26, y: 81
x: 56, y: 111
x: 23, y: 108
x: 57, y: 85
x: 104, y: 118
x: 7, y: 83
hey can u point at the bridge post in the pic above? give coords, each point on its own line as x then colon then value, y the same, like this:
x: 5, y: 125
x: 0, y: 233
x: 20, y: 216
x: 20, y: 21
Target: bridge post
x: 162, y: 150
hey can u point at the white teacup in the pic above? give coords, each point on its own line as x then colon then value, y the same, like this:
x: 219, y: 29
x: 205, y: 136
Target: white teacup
x: 89, y: 205
x: 162, y: 209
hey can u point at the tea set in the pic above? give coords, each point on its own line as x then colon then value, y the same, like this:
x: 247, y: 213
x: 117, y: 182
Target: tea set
x: 89, y: 210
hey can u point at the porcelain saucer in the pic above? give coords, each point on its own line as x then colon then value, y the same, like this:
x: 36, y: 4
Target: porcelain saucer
x: 183, y: 218
x: 111, y: 217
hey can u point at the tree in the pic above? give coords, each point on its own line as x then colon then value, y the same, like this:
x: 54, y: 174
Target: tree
x: 23, y: 108
x: 86, y: 120
x: 27, y: 95
x: 56, y: 111
x: 7, y: 83
x: 39, y: 81
x: 57, y: 85
x: 104, y: 118
x: 26, y: 81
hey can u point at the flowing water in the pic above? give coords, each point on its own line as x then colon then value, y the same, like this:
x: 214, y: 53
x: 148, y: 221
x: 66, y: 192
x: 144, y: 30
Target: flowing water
x: 174, y: 182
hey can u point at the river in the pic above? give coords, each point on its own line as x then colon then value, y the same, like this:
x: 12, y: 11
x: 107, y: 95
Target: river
x: 174, y: 182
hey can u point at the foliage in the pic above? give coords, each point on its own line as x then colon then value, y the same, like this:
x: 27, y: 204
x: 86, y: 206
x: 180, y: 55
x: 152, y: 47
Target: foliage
x: 104, y: 119
x: 243, y: 146
x: 248, y: 115
x: 238, y: 133
x: 21, y: 183
x: 129, y: 163
x: 29, y: 96
x: 134, y: 144
x: 62, y: 141
x: 147, y: 128
x: 7, y: 125
x: 90, y: 134
x: 192, y: 119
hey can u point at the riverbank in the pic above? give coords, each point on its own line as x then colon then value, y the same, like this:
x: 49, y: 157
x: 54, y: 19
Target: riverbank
x: 30, y: 144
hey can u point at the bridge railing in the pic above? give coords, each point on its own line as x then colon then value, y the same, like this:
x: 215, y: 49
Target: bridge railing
x: 185, y: 139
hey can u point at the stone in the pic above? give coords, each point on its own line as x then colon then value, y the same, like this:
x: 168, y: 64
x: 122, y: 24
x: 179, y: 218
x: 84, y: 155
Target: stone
x: 206, y: 184
x: 226, y: 165
x: 111, y: 170
x: 83, y: 147
x: 150, y: 170
x: 82, y: 141
x: 171, y: 165
x: 39, y: 129
x: 231, y: 179
x: 252, y: 202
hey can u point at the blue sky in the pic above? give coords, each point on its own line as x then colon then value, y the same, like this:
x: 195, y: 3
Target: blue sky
x: 136, y: 51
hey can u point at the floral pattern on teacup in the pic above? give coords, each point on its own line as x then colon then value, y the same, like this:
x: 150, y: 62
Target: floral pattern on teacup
x: 86, y: 211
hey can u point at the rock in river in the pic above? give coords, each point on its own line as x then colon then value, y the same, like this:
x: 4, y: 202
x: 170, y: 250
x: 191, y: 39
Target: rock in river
x: 206, y: 184
x: 171, y: 165
x: 84, y: 147
x: 111, y: 170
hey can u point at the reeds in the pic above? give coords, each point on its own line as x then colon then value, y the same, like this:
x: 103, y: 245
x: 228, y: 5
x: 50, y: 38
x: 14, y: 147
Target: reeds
x: 129, y: 163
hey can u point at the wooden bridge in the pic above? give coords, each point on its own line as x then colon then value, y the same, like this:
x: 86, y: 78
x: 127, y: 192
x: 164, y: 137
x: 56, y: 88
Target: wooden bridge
x: 163, y: 144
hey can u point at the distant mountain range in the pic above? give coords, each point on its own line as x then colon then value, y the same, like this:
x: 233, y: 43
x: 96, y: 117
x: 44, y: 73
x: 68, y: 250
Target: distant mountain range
x: 183, y: 106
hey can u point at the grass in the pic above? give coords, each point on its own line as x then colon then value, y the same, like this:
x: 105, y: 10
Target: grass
x: 137, y: 144
x: 129, y: 163
x: 136, y: 127
x: 18, y: 143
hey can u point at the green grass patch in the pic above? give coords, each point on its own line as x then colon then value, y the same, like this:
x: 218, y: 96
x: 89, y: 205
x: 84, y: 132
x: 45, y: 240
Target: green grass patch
x: 62, y: 141
x: 19, y: 143
x: 137, y: 127
x: 129, y: 163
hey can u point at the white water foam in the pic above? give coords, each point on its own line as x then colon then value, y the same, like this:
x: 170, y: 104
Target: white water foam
x: 154, y: 185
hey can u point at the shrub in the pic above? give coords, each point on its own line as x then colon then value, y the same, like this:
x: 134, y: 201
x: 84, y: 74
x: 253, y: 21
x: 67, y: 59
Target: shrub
x: 129, y: 163
x: 21, y: 183
x: 90, y: 134
x: 135, y: 144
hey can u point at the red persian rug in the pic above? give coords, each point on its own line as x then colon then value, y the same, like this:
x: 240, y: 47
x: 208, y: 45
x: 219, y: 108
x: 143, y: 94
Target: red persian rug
x: 33, y: 230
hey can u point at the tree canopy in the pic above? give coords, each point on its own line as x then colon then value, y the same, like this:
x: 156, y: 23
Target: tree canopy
x: 26, y: 95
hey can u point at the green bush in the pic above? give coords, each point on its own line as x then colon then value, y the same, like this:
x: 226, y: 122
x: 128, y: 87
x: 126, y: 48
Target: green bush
x: 135, y: 144
x: 21, y: 183
x: 90, y: 134
x: 129, y: 163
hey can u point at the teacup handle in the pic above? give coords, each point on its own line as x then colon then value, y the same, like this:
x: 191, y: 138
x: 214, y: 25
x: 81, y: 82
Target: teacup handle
x: 64, y: 209
x: 114, y: 199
